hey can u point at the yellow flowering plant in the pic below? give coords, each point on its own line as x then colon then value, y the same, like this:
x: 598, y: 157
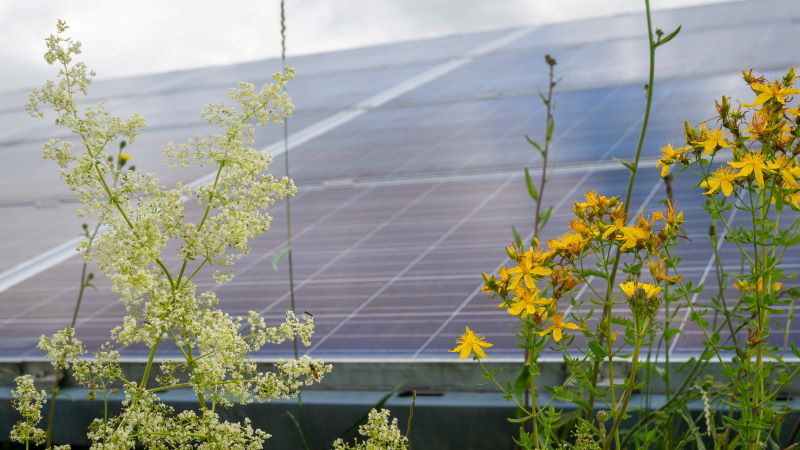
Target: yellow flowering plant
x: 748, y: 168
x: 609, y: 290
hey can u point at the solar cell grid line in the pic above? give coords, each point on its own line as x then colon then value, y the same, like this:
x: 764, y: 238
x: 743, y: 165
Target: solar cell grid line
x: 709, y: 265
x: 408, y: 266
x: 356, y: 244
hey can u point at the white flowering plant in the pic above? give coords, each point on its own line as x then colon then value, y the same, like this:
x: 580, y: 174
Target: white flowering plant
x: 163, y: 303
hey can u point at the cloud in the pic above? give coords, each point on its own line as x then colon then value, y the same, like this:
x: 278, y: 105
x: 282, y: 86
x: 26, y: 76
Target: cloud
x: 147, y: 36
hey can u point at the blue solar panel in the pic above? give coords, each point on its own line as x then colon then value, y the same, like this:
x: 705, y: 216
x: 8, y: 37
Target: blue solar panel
x: 404, y: 204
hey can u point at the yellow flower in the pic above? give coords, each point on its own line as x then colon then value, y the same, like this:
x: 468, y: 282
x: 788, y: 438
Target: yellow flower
x: 711, y: 139
x: 745, y: 286
x: 658, y: 272
x: 527, y: 302
x: 570, y: 243
x: 631, y: 236
x: 594, y: 204
x: 470, y: 342
x: 760, y: 124
x: 751, y: 163
x: 124, y: 156
x: 793, y: 198
x: 788, y: 170
x: 557, y: 326
x: 629, y: 289
x: 722, y: 178
x: 794, y: 111
x: 529, y: 266
x: 772, y: 90
x: 617, y: 225
x: 669, y: 155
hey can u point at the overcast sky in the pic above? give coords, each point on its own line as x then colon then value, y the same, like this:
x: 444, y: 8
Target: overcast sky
x: 144, y: 36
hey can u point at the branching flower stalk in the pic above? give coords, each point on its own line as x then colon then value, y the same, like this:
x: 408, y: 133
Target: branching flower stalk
x: 139, y: 217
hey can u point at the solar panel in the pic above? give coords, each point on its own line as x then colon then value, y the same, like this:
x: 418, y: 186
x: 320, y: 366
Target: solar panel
x: 408, y: 159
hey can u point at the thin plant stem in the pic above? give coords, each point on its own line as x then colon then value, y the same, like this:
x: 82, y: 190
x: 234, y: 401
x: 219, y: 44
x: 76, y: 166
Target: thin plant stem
x: 606, y: 316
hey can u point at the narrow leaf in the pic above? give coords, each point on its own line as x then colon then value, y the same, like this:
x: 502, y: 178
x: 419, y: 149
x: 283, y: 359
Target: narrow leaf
x: 531, y: 188
x: 534, y: 143
x: 279, y: 256
x: 668, y: 37
x: 299, y: 429
x: 517, y: 237
x: 544, y: 216
x: 598, y: 350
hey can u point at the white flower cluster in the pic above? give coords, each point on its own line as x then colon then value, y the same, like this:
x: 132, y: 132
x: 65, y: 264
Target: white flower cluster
x: 163, y: 302
x: 151, y: 424
x: 28, y: 401
x: 378, y: 433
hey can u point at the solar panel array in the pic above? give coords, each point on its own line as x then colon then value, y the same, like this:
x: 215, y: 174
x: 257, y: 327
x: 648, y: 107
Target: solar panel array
x: 408, y: 158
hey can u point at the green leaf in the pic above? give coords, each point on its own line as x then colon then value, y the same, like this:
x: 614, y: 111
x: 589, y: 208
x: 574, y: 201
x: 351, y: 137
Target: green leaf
x: 550, y: 127
x: 597, y: 349
x: 523, y: 380
x: 279, y: 256
x: 626, y: 164
x: 544, y: 216
x: 794, y: 349
x: 534, y: 144
x: 517, y: 237
x: 519, y: 420
x: 300, y: 431
x: 531, y: 188
x: 668, y: 37
x: 586, y: 273
x: 670, y: 332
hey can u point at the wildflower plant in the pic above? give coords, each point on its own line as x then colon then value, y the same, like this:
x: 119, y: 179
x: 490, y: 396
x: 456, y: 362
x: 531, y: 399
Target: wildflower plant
x: 610, y: 290
x: 747, y: 166
x: 163, y: 303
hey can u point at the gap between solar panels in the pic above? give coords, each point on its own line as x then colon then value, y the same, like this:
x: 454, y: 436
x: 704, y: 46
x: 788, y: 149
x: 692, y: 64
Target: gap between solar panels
x: 60, y: 253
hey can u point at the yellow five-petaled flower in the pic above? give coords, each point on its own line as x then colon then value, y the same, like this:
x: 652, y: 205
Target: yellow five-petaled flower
x: 669, y: 155
x: 527, y: 302
x: 529, y: 266
x: 722, y: 179
x: 558, y: 324
x: 711, y: 139
x: 629, y: 289
x: 774, y: 90
x: 751, y: 163
x: 470, y: 342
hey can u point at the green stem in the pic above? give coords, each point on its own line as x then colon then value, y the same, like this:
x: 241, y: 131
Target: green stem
x: 502, y: 389
x: 620, y: 412
x: 606, y: 317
